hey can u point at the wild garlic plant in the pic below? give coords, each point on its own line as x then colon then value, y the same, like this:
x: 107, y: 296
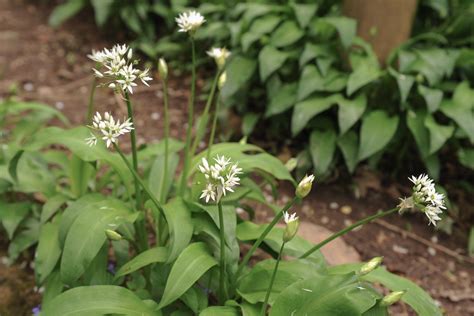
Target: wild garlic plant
x: 182, y: 242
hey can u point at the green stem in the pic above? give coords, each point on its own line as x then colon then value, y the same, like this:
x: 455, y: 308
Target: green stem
x: 222, y: 255
x: 269, y: 290
x: 187, y: 152
x: 213, y: 130
x: 346, y: 230
x: 133, y: 141
x: 203, y: 121
x: 140, y: 181
x: 260, y: 239
x: 167, y: 132
x: 90, y: 105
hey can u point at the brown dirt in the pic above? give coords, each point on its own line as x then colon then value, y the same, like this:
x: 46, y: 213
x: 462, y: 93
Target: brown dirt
x: 50, y: 66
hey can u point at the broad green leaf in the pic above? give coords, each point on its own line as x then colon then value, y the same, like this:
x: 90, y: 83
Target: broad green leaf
x: 282, y: 100
x: 416, y: 125
x: 52, y: 287
x: 18, y: 107
x: 153, y: 255
x: 415, y: 296
x: 312, y: 80
x: 157, y: 183
x: 26, y: 236
x: 346, y: 28
x: 404, y: 83
x: 97, y: 300
x: 304, y: 111
x: 250, y: 309
x: 74, y: 209
x: 312, y: 51
x: 248, y: 123
x: 325, y: 295
x: 220, y: 311
x: 65, y: 11
x: 376, y: 132
x: 74, y: 140
x: 239, y: 72
x: 439, y: 134
x: 11, y: 215
x: 322, y: 145
x: 348, y: 143
x: 259, y: 28
x: 87, y: 235
x: 270, y: 60
x: 180, y: 226
x: 188, y: 268
x: 196, y: 298
x: 248, y: 231
x: 48, y: 251
x: 102, y: 10
x: 80, y: 173
x: 364, y: 73
x: 350, y: 112
x: 254, y: 285
x: 440, y: 6
x: 51, y: 206
x: 286, y: 34
x: 433, y: 97
x: 461, y: 109
x: 304, y: 12
x: 13, y: 165
x: 466, y: 157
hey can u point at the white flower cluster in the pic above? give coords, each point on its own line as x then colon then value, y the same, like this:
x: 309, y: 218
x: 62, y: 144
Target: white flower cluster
x: 117, y: 65
x: 189, y: 21
x: 425, y: 198
x: 289, y: 217
x: 221, y: 177
x: 109, y: 128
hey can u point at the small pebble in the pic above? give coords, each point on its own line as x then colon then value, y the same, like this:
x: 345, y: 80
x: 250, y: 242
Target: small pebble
x: 346, y: 209
x: 240, y: 210
x: 155, y: 116
x: 434, y: 239
x: 432, y: 251
x: 59, y: 105
x: 28, y: 87
x: 324, y: 220
x: 333, y: 205
x: 347, y: 222
x: 399, y: 249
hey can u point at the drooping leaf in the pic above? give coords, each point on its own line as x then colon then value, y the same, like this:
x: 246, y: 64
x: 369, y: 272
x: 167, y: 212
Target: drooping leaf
x: 376, y: 132
x: 364, y: 73
x: 48, y: 251
x: 404, y: 83
x: 270, y: 60
x: 466, y: 157
x: 153, y: 255
x: 348, y: 143
x: 156, y: 180
x: 350, y: 112
x: 433, y: 97
x: 312, y: 80
x: 25, y: 237
x: 65, y: 11
x: 322, y: 145
x: 304, y: 12
x: 259, y: 28
x: 416, y: 125
x: 304, y: 111
x: 415, y: 296
x: 239, y: 71
x: 51, y: 206
x: 102, y: 10
x: 282, y: 100
x: 87, y: 235
x: 325, y: 295
x: 12, y: 214
x: 286, y: 34
x: 97, y: 300
x: 190, y: 265
x: 346, y: 28
x: 439, y: 134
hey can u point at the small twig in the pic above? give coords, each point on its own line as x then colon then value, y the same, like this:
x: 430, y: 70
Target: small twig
x: 428, y: 243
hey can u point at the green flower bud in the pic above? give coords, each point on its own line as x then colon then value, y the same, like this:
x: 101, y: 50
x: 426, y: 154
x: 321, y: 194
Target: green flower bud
x: 291, y: 164
x: 305, y: 186
x: 292, y: 225
x: 392, y: 298
x: 113, y: 235
x: 163, y: 69
x: 222, y: 80
x: 370, y: 266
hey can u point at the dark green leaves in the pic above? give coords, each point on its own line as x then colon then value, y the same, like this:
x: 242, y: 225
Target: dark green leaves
x: 376, y: 132
x: 65, y: 11
x: 286, y: 34
x: 239, y: 72
x: 153, y: 255
x: 322, y: 145
x: 270, y: 59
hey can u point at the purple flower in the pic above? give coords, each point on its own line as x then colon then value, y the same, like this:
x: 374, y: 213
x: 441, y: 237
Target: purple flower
x: 36, y: 310
x: 111, y: 267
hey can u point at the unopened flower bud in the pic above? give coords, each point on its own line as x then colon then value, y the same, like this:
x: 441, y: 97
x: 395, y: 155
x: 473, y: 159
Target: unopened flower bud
x: 370, y: 266
x: 392, y: 298
x: 304, y: 187
x: 292, y: 225
x: 163, y: 69
x: 222, y: 80
x: 113, y: 235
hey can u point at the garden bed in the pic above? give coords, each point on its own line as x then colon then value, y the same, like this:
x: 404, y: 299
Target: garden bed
x: 50, y: 66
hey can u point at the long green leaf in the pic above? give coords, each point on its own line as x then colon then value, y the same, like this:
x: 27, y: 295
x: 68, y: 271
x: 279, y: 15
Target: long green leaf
x: 191, y: 264
x: 158, y: 254
x: 48, y: 251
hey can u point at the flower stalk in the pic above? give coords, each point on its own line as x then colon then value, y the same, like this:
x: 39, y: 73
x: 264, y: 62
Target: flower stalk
x: 90, y: 105
x: 214, y: 120
x: 346, y: 230
x: 272, y: 280
x: 164, y: 79
x: 222, y: 291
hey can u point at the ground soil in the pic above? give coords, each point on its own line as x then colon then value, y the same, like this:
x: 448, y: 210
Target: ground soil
x: 50, y: 65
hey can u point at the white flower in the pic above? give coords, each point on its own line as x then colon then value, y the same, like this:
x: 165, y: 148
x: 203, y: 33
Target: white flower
x: 304, y: 187
x: 117, y: 67
x: 289, y: 217
x: 220, y: 55
x: 189, y: 21
x: 109, y: 128
x: 221, y: 177
x: 425, y: 198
